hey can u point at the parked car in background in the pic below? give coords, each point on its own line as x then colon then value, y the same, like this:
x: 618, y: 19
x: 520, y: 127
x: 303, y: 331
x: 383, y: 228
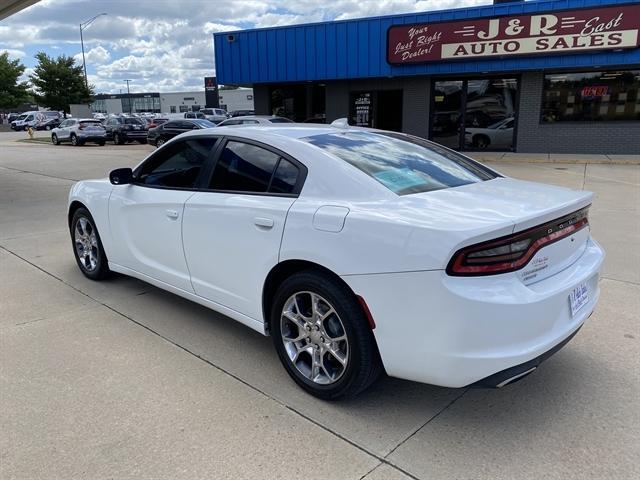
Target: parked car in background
x: 49, y: 121
x: 498, y: 135
x: 28, y: 119
x: 175, y: 116
x: 12, y: 117
x: 79, y: 131
x: 126, y: 129
x: 254, y: 120
x: 316, y: 119
x: 242, y: 113
x: 215, y: 115
x: 159, y: 135
x: 156, y: 122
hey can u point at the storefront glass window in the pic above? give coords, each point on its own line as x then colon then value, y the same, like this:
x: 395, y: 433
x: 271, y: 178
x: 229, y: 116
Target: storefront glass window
x: 591, y: 96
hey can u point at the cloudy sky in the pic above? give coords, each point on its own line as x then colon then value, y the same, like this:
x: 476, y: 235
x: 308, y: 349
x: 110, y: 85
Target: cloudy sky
x: 167, y: 45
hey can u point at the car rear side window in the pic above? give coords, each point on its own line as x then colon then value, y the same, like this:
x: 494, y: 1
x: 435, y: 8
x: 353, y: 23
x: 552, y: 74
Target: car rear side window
x: 244, y: 167
x: 285, y: 177
x: 402, y: 163
x: 177, y: 165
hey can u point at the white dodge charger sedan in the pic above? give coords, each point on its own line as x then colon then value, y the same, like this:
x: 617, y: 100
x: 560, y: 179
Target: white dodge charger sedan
x: 357, y: 250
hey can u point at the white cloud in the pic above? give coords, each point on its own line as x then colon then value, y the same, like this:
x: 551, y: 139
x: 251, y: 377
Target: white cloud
x: 13, y: 53
x: 97, y: 55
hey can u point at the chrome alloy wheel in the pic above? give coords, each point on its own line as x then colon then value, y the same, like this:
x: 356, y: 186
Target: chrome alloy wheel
x: 86, y: 244
x: 314, y: 337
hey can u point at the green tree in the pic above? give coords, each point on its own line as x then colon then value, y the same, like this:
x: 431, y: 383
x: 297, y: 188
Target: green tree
x: 12, y: 92
x: 59, y: 82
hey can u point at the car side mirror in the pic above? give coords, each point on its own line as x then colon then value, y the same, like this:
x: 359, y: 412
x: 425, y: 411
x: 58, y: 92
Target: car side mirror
x: 121, y: 176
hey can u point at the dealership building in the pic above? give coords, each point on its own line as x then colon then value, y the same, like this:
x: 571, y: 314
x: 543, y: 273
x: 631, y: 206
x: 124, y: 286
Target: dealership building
x: 170, y: 102
x: 548, y: 76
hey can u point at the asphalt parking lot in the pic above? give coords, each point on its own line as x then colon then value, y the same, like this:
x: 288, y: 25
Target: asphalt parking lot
x: 118, y: 379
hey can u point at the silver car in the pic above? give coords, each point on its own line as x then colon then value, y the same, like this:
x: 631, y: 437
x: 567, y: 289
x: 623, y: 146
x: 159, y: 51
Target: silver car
x: 79, y: 131
x: 255, y: 120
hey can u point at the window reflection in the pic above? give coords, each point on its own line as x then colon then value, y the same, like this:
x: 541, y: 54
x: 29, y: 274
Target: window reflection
x: 400, y: 163
x: 591, y: 96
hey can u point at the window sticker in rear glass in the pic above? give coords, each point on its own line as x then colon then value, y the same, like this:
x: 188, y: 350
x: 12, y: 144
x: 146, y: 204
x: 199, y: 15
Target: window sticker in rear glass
x: 398, y: 179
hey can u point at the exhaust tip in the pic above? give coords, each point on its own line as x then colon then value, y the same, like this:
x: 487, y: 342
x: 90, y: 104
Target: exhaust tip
x: 515, y: 378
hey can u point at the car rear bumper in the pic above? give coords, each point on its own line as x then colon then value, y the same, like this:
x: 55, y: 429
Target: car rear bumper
x: 459, y: 331
x: 93, y: 138
x: 137, y: 135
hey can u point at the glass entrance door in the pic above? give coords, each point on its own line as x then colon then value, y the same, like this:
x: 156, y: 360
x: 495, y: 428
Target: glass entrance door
x: 475, y: 114
x: 447, y: 113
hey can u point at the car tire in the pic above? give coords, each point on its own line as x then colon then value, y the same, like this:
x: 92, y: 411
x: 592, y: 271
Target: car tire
x: 159, y: 142
x: 87, y: 246
x: 54, y: 139
x: 74, y: 140
x: 47, y: 127
x: 481, y: 142
x: 101, y: 143
x: 142, y: 142
x: 116, y: 139
x: 340, y: 347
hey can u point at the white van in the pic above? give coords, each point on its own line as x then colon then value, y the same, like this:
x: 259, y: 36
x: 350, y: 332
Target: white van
x: 26, y: 120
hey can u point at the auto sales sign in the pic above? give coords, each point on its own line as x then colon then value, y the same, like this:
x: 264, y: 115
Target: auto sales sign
x: 569, y: 31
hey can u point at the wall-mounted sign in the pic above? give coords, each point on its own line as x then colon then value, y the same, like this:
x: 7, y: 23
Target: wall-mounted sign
x: 569, y: 31
x: 361, y: 114
x: 211, y: 92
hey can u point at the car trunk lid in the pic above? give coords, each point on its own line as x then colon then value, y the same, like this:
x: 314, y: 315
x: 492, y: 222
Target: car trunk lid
x: 514, y: 206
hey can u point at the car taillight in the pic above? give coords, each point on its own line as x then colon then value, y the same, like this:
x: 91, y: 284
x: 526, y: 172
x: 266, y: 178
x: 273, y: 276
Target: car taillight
x: 512, y: 252
x: 81, y: 127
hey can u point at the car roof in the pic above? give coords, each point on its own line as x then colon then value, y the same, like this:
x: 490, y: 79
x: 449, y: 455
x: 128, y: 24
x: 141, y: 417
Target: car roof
x: 288, y: 130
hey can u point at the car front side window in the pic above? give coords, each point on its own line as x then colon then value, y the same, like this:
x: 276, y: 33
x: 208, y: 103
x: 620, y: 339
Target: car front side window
x: 177, y: 166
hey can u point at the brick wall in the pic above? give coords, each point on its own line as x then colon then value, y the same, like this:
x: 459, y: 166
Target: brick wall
x: 578, y: 137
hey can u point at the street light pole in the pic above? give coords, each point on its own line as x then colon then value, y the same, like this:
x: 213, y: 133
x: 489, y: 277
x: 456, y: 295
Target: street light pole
x: 129, y: 96
x: 84, y: 64
x: 84, y: 25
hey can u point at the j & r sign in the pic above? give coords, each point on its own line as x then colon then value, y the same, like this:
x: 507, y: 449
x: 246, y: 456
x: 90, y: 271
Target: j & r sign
x: 569, y: 31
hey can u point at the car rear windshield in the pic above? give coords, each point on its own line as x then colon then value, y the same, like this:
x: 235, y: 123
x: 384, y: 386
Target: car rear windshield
x: 91, y: 123
x: 280, y: 120
x: 134, y: 121
x: 402, y: 163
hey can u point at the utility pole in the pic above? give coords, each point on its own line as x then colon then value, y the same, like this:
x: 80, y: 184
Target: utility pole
x: 84, y: 25
x: 129, y: 96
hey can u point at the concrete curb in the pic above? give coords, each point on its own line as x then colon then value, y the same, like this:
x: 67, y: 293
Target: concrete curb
x: 554, y: 158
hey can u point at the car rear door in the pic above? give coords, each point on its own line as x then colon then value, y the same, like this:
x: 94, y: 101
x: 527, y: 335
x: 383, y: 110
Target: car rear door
x: 232, y: 232
x: 65, y: 129
x: 146, y: 216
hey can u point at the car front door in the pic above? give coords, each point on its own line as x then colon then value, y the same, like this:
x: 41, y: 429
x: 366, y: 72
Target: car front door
x: 146, y: 216
x: 232, y: 232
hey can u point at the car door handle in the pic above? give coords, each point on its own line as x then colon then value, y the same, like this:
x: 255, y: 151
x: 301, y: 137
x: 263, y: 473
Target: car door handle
x: 172, y: 214
x: 263, y: 222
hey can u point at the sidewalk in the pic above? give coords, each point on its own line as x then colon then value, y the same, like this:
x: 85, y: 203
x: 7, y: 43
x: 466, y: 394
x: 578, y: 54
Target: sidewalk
x: 553, y: 158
